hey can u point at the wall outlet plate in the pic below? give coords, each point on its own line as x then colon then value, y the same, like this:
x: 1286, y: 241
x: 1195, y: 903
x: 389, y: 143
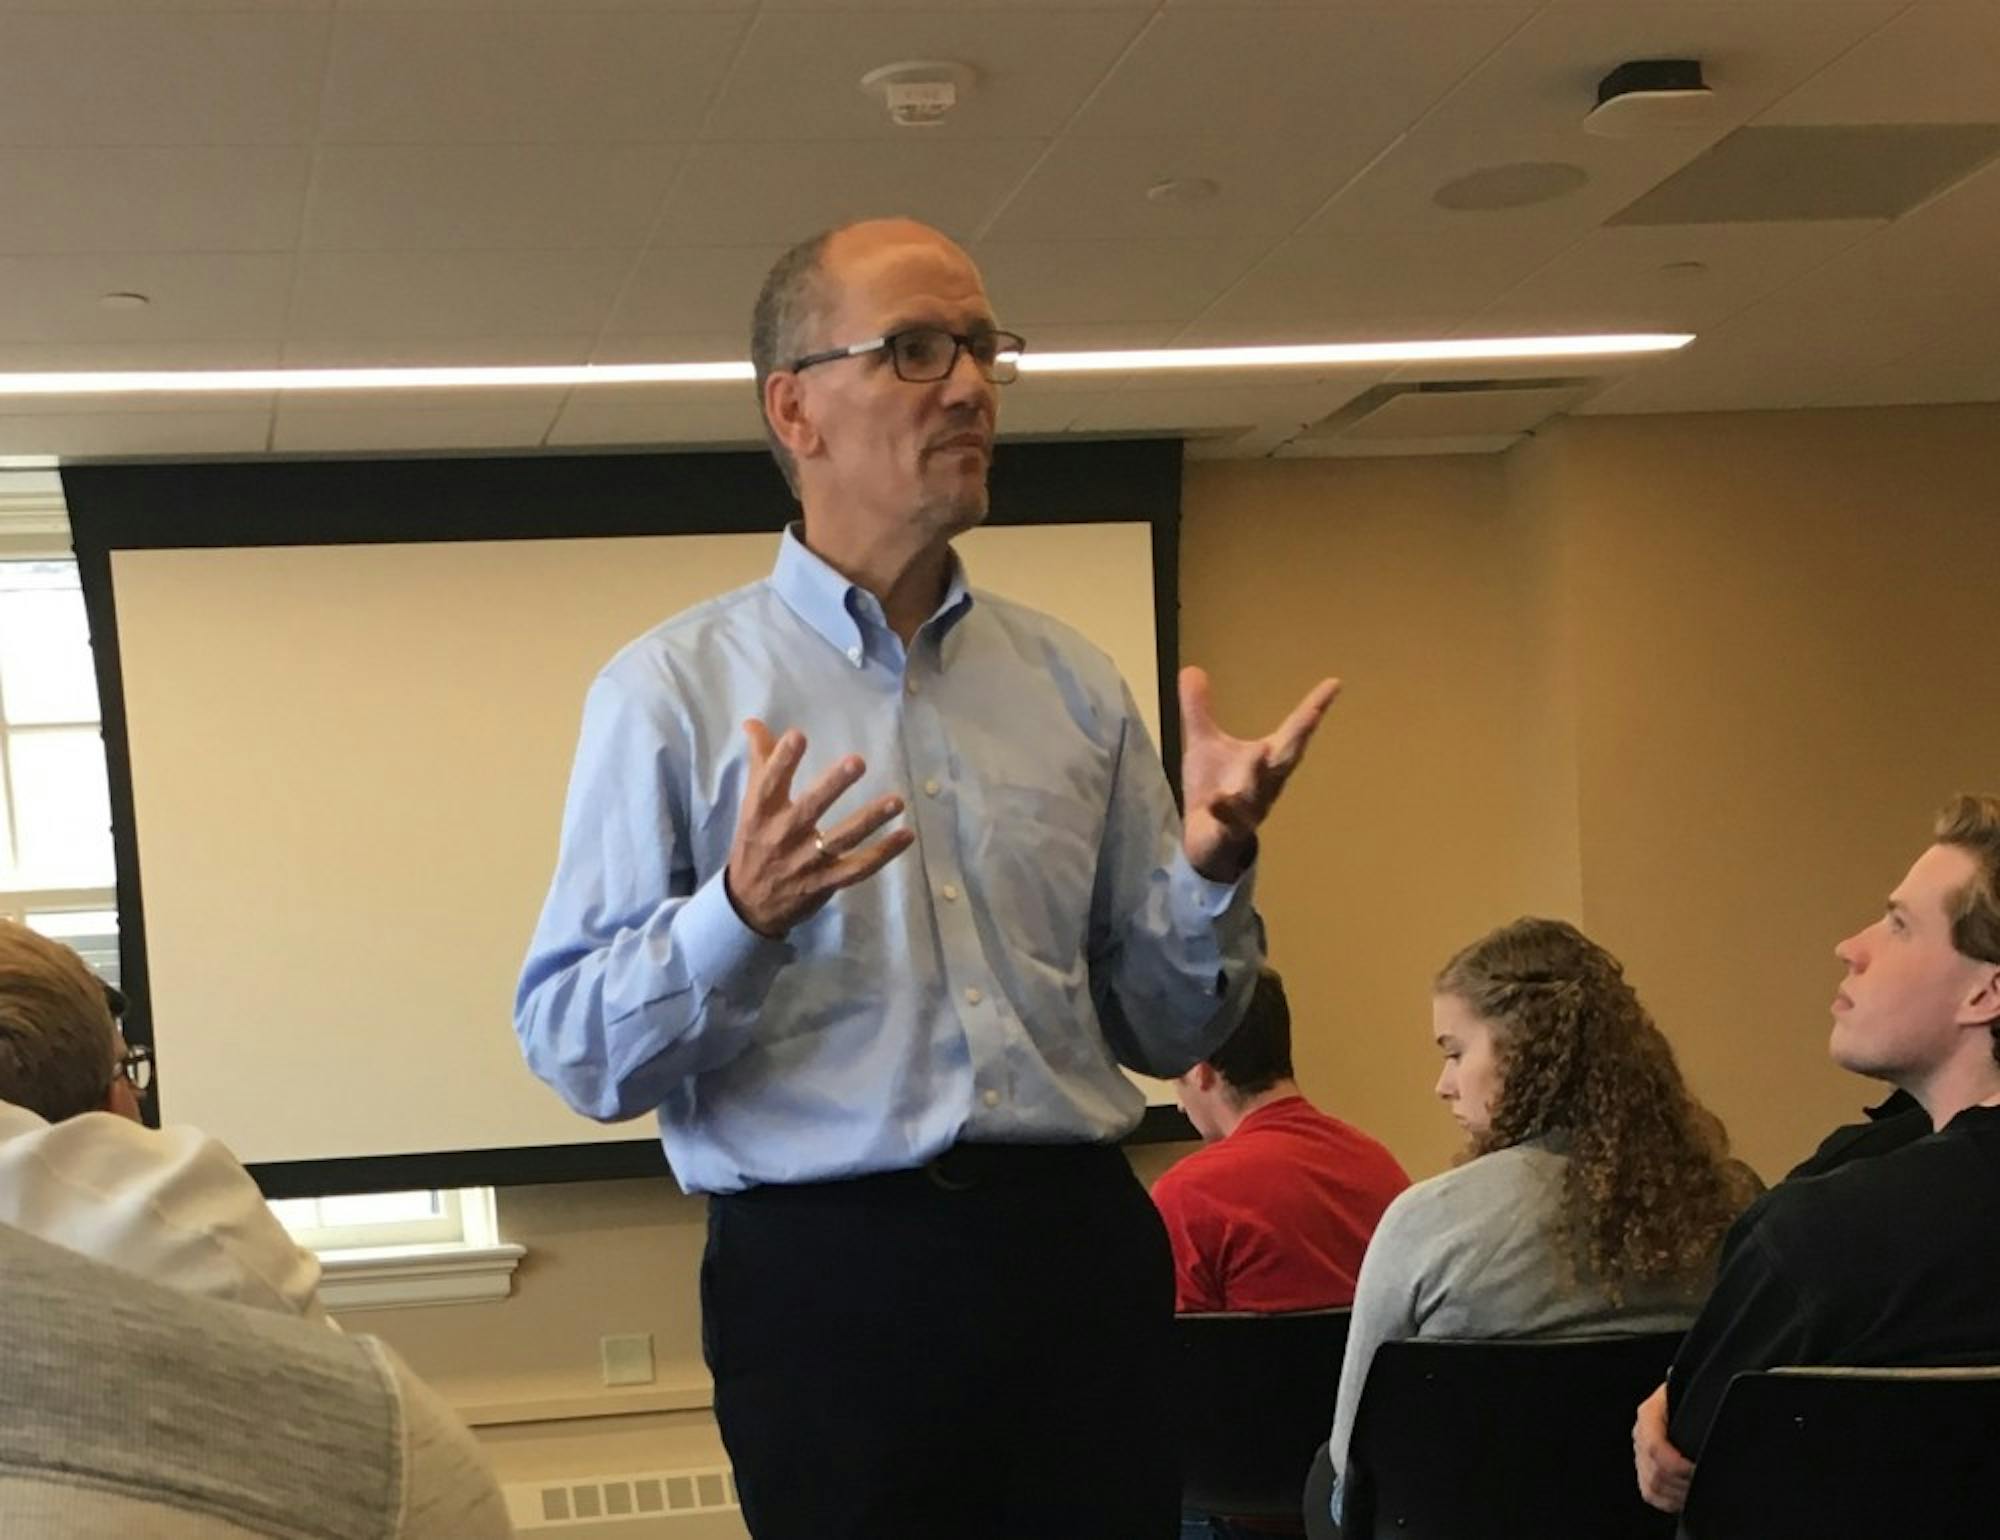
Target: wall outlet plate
x: 627, y: 1360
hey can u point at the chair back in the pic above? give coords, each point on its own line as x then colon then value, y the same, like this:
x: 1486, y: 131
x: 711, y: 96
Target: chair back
x: 1256, y: 1394
x: 1832, y: 1453
x: 1504, y: 1440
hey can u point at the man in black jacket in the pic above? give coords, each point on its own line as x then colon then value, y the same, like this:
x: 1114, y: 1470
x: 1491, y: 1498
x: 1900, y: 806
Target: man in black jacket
x: 1893, y: 1260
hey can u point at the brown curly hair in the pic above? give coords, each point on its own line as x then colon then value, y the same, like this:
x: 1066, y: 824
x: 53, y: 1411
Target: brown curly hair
x: 1649, y: 1188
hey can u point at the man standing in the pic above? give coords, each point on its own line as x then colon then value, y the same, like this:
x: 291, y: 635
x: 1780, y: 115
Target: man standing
x: 935, y: 1301
x: 1893, y: 1260
x: 1276, y: 1212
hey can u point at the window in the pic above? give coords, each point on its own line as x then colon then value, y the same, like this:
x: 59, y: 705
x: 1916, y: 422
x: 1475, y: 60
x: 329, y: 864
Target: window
x: 383, y: 1219
x: 56, y: 868
x: 58, y: 875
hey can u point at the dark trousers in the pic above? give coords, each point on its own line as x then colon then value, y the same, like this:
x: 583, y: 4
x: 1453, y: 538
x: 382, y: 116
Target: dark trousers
x: 978, y: 1350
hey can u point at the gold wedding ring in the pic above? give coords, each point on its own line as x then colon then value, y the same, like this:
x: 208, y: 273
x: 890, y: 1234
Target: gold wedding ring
x: 819, y: 844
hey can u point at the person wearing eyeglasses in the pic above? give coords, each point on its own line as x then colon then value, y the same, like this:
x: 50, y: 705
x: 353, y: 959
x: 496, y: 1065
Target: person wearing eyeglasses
x: 79, y: 1167
x: 869, y: 884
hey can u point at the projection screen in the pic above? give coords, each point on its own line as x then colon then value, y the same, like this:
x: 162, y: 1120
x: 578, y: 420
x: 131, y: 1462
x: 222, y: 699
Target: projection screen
x: 339, y: 758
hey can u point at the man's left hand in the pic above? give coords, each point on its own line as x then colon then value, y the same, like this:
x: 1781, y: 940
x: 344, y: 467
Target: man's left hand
x: 1664, y: 1472
x: 1230, y: 783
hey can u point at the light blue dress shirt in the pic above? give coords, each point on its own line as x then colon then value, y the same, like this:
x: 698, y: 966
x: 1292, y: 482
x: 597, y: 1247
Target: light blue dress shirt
x: 986, y: 985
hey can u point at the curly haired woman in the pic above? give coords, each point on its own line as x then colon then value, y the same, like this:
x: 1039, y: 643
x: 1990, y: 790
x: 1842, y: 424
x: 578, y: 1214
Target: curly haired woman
x: 1595, y: 1190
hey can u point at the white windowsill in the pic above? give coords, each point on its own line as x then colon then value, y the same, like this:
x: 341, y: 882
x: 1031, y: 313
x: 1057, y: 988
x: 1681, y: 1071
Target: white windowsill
x: 395, y: 1277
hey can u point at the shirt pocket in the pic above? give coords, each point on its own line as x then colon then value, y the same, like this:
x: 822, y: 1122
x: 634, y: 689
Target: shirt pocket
x: 1038, y: 852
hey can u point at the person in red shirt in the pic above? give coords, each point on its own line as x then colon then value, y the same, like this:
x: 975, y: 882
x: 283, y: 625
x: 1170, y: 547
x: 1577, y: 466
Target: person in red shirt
x: 1274, y: 1212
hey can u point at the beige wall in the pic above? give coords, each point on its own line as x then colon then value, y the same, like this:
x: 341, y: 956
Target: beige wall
x: 1697, y: 682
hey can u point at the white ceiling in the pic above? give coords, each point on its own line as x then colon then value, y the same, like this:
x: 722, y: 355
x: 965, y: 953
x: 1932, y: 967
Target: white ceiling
x: 561, y: 181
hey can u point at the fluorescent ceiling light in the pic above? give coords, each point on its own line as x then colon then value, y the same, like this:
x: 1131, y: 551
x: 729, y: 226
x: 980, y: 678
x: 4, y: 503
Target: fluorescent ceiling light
x: 1448, y: 350
x: 210, y: 381
x: 127, y: 382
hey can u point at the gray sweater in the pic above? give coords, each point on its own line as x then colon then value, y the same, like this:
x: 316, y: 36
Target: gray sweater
x: 128, y: 1410
x: 1473, y: 1253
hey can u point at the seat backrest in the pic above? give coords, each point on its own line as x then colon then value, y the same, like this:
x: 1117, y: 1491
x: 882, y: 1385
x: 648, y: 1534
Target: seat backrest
x: 1849, y: 1452
x: 1256, y: 1398
x: 1503, y: 1440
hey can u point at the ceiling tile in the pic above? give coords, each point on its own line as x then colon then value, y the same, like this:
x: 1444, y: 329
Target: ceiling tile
x: 1865, y: 171
x: 1035, y: 409
x: 750, y: 194
x: 1398, y: 191
x: 486, y: 197
x: 445, y: 352
x: 149, y: 435
x: 1210, y: 330
x: 665, y: 414
x: 1544, y: 78
x: 1935, y: 63
x: 1344, y: 79
x: 1526, y: 103
x: 799, y: 75
x: 1108, y: 281
x: 1333, y: 286
x: 1096, y: 189
x: 134, y: 404
x: 1394, y: 449
x: 955, y: 6
x: 1637, y: 278
x: 126, y: 7
x: 395, y: 425
x: 1098, y: 336
x: 545, y: 5
x: 730, y: 345
x: 1881, y: 299
x: 194, y: 198
x: 414, y: 294
x: 1203, y: 408
x: 509, y: 77
x: 159, y: 79
x: 695, y: 289
x: 34, y: 357
x: 55, y: 298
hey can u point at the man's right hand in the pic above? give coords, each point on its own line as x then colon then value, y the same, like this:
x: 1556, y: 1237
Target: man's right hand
x: 779, y: 872
x: 1664, y: 1472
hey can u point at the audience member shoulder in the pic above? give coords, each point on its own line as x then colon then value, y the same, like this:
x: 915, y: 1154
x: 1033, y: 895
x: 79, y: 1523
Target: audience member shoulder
x: 247, y: 1416
x: 1485, y: 1185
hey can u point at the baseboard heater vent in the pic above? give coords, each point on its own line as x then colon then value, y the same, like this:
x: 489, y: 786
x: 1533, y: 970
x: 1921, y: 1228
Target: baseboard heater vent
x: 654, y: 1496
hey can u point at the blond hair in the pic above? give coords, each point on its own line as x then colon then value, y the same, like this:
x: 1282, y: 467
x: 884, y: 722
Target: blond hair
x: 1972, y: 824
x: 58, y: 1044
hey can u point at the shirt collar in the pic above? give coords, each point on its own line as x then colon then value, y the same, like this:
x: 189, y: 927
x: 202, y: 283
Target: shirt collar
x: 836, y: 608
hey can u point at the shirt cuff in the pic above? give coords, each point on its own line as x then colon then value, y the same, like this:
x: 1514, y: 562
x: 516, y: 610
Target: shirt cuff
x: 724, y: 954
x: 1195, y: 894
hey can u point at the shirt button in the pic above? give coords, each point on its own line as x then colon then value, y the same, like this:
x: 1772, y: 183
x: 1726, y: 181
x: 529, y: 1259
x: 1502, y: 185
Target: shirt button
x: 910, y: 685
x: 973, y: 997
x: 950, y: 892
x: 854, y: 656
x: 991, y: 1098
x: 930, y: 788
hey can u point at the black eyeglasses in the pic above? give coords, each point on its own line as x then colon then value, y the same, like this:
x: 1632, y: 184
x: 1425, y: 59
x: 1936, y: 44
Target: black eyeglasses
x: 924, y: 354
x: 135, y: 1067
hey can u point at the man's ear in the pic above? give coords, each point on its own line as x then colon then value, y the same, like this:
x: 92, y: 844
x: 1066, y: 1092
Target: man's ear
x: 1203, y: 1077
x: 1982, y: 1006
x: 786, y: 411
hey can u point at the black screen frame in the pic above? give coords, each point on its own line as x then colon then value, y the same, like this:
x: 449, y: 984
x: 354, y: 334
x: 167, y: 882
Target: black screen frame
x: 276, y: 502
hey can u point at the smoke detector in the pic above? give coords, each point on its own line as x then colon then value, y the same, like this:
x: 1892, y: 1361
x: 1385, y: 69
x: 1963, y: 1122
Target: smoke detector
x: 1642, y: 95
x: 919, y: 92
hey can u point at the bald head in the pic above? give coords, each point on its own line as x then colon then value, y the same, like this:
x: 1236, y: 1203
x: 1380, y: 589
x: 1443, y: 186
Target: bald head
x: 803, y: 287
